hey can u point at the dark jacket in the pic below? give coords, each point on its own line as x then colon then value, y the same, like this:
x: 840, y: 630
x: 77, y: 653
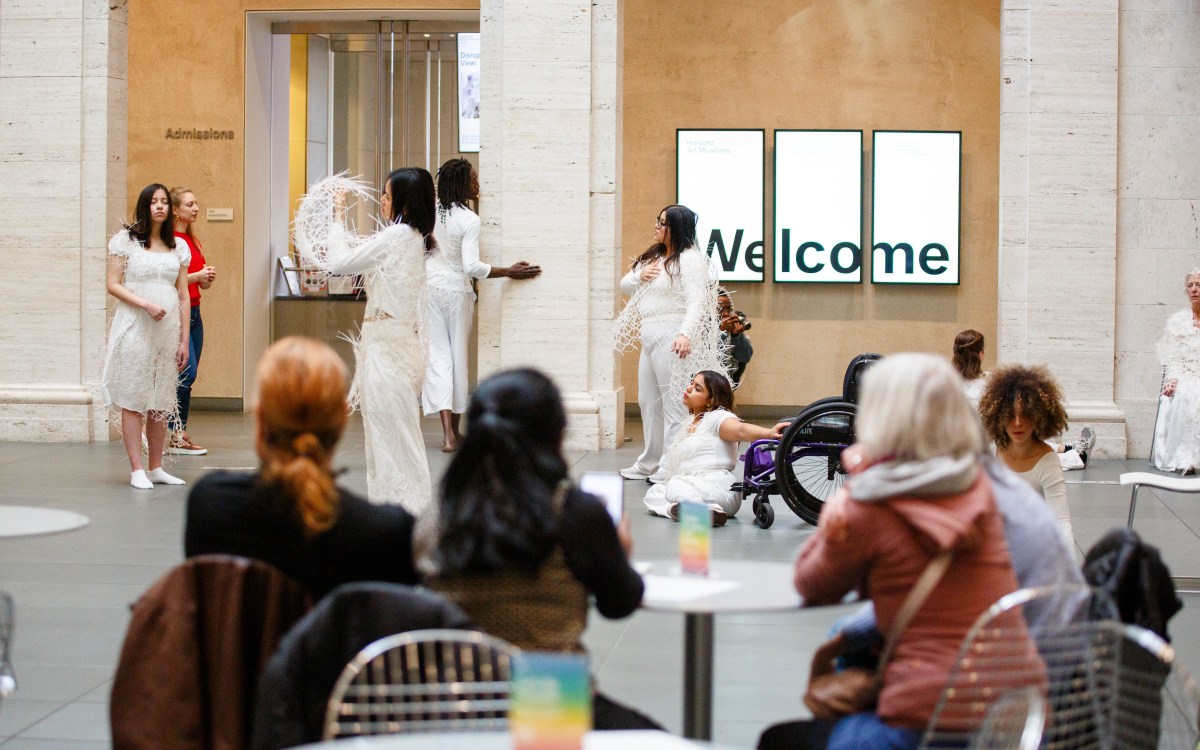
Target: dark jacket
x: 298, y: 680
x: 1134, y: 575
x: 196, y: 644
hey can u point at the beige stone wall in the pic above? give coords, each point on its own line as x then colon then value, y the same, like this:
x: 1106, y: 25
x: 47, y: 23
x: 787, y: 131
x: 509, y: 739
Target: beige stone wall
x: 919, y: 65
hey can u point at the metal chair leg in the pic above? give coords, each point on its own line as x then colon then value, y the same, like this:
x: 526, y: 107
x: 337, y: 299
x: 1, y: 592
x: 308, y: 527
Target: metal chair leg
x: 1132, y: 505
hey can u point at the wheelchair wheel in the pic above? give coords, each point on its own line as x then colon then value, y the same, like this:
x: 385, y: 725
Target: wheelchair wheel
x: 764, y: 514
x: 808, y: 465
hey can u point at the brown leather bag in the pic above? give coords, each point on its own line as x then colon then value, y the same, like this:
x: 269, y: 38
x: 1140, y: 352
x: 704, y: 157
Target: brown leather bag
x: 832, y: 695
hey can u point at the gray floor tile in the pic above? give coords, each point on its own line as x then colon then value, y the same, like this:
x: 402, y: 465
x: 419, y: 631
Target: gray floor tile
x: 29, y: 743
x: 79, y: 722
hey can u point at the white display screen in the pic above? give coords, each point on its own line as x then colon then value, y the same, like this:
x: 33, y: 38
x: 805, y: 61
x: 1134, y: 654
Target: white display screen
x: 720, y: 175
x: 468, y: 93
x: 915, y: 219
x: 818, y: 205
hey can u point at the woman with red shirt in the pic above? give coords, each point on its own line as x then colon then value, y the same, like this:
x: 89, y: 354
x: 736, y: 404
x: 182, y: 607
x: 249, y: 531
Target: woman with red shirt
x: 200, y: 276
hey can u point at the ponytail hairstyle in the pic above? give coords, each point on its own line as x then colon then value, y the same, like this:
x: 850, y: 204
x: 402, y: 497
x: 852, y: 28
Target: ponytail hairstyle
x: 300, y: 415
x: 413, y: 203
x: 681, y: 234
x: 496, y: 497
x: 177, y: 194
x: 142, y: 224
x: 454, y: 183
x: 968, y: 354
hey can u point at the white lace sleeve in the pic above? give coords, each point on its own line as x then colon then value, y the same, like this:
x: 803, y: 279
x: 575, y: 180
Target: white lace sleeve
x: 327, y: 244
x: 122, y: 244
x: 1179, y: 347
x: 627, y: 325
x: 701, y: 324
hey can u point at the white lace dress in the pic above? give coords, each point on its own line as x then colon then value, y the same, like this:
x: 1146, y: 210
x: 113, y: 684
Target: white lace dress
x: 699, y: 467
x: 140, y: 373
x: 1177, y: 434
x: 390, y: 351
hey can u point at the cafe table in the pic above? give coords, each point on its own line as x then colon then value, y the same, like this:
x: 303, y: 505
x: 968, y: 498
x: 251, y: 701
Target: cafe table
x: 732, y: 586
x: 21, y: 520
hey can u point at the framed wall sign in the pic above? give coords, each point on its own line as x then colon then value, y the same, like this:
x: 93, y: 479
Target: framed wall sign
x: 818, y: 206
x: 915, y: 212
x: 468, y: 92
x: 720, y: 177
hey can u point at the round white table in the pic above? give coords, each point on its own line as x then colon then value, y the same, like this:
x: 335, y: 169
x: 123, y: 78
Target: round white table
x: 21, y: 520
x: 641, y: 740
x: 732, y: 586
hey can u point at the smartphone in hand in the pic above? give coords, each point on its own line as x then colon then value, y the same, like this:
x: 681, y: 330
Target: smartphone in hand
x: 609, y: 486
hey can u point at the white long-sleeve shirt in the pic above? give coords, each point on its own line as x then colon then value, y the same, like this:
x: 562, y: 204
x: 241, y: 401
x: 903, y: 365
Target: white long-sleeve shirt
x: 455, y: 261
x: 673, y: 300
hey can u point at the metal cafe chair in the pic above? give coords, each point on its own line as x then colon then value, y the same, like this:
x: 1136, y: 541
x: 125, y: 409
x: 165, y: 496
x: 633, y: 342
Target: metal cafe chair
x: 8, y: 680
x: 423, y: 681
x: 1013, y: 722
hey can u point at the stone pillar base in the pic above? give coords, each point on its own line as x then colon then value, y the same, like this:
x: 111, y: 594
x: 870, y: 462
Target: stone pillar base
x: 1107, y: 421
x: 595, y: 421
x: 50, y: 414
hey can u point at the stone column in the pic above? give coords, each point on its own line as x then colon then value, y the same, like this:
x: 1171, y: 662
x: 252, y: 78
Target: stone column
x: 1058, y: 218
x: 550, y: 165
x: 62, y: 191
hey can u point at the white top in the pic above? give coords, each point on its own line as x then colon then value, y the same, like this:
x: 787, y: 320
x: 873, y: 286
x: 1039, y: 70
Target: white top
x: 677, y: 300
x: 974, y: 389
x: 1046, y: 477
x: 390, y: 261
x: 455, y: 261
x: 1179, y: 347
x: 703, y: 450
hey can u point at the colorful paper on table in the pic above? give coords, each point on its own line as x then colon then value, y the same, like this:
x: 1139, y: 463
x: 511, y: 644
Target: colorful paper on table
x: 695, y: 537
x: 551, y: 701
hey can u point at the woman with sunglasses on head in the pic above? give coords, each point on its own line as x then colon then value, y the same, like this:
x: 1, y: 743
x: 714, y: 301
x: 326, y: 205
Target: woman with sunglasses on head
x: 148, y: 338
x: 671, y: 289
x: 449, y: 271
x: 391, y: 350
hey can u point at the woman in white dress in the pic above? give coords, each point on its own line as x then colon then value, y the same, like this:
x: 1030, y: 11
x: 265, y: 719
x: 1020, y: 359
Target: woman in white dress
x: 1177, y: 431
x: 968, y: 361
x: 672, y: 310
x: 391, y: 349
x: 148, y: 339
x: 449, y: 271
x: 1020, y: 407
x: 701, y: 459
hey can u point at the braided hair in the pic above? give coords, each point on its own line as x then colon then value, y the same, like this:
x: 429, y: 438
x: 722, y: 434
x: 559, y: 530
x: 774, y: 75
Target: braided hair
x: 454, y: 184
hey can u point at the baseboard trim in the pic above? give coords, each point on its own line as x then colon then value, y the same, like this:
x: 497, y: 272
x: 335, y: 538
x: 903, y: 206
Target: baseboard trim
x: 752, y: 412
x: 209, y: 403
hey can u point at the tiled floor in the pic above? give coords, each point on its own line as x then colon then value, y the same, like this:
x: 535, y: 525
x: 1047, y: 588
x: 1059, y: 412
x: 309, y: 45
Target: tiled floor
x: 73, y: 590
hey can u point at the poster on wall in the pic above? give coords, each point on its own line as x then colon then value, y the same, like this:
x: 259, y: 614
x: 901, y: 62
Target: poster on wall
x: 468, y: 93
x: 720, y: 177
x: 818, y: 206
x: 915, y: 217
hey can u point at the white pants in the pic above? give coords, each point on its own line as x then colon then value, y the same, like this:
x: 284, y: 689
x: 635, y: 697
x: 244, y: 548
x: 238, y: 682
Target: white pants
x: 449, y: 329
x: 663, y: 413
x: 710, y: 488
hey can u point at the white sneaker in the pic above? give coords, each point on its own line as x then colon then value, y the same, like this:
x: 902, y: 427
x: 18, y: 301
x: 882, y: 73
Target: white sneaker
x: 160, y: 476
x: 139, y: 480
x: 633, y: 472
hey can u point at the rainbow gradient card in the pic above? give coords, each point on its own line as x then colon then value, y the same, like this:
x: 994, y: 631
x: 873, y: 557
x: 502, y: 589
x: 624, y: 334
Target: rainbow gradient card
x: 551, y: 701
x: 695, y: 537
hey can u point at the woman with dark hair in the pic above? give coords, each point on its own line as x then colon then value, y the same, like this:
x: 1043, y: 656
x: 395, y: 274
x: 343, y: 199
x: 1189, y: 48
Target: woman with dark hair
x: 1021, y: 407
x: 514, y: 544
x: 148, y: 338
x: 449, y: 272
x: 391, y: 349
x: 290, y: 513
x: 200, y: 276
x: 671, y: 290
x: 701, y: 459
x: 968, y: 361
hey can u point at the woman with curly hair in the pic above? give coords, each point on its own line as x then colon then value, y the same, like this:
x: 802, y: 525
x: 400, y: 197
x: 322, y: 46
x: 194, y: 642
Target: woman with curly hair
x: 1020, y: 407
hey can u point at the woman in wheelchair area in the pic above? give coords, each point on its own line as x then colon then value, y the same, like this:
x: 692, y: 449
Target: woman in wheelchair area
x: 916, y: 490
x: 513, y: 544
x: 290, y: 513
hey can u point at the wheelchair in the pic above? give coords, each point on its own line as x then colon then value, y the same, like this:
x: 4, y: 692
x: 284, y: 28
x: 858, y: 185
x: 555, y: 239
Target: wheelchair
x: 804, y: 466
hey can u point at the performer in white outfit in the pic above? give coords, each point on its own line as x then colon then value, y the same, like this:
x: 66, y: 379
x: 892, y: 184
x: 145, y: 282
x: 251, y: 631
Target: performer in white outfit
x: 449, y: 271
x: 702, y: 456
x: 391, y: 349
x: 148, y: 339
x: 1177, y: 430
x: 672, y: 310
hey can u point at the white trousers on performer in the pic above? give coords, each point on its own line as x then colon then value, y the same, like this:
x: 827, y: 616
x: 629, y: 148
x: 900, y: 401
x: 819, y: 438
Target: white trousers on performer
x: 445, y: 385
x: 663, y: 413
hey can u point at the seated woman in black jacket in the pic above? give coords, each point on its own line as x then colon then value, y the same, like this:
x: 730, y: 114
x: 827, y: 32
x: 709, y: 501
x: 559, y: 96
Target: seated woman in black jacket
x: 514, y: 545
x: 290, y: 513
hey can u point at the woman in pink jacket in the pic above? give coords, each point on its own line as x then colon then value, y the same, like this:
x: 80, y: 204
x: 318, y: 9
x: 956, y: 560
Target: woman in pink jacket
x: 917, y: 489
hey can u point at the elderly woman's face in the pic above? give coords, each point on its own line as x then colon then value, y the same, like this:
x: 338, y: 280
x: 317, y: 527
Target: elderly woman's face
x: 1192, y: 285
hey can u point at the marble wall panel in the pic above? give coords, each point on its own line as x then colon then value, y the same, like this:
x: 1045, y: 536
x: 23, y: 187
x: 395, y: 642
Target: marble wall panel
x: 1166, y: 162
x: 1173, y: 268
x: 607, y: 44
x: 1067, y: 37
x: 1070, y: 222
x: 1175, y: 6
x: 1140, y: 373
x: 1013, y: 325
x: 1014, y: 37
x: 93, y: 338
x: 28, y: 10
x: 19, y: 179
x: 39, y: 337
x: 550, y: 32
x: 1141, y: 325
x: 1137, y: 275
x: 546, y: 150
x: 1055, y: 133
x: 1074, y: 89
x: 24, y: 229
x: 41, y: 48
x: 551, y: 85
x: 1160, y: 39
x: 1014, y: 273
x: 40, y: 119
x: 1014, y: 89
x: 1169, y: 224
x: 1160, y: 91
x: 1014, y: 222
x: 118, y: 42
x: 550, y: 220
x: 1069, y: 263
x: 1072, y: 176
x: 45, y: 279
x: 116, y: 10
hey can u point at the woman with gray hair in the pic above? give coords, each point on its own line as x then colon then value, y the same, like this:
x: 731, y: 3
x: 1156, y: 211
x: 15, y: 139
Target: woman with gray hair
x: 1177, y: 430
x: 917, y: 499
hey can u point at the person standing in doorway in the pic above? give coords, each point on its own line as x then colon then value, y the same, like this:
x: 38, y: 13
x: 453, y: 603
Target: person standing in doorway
x: 185, y: 211
x: 449, y: 271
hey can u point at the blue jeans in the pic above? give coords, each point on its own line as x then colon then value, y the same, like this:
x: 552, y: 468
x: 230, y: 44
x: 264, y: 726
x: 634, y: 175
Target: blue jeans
x: 867, y: 730
x: 183, y: 393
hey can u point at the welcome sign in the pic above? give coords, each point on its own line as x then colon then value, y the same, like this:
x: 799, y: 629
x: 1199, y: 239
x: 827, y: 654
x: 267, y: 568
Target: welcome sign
x: 818, y: 205
x: 720, y: 177
x: 915, y: 211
